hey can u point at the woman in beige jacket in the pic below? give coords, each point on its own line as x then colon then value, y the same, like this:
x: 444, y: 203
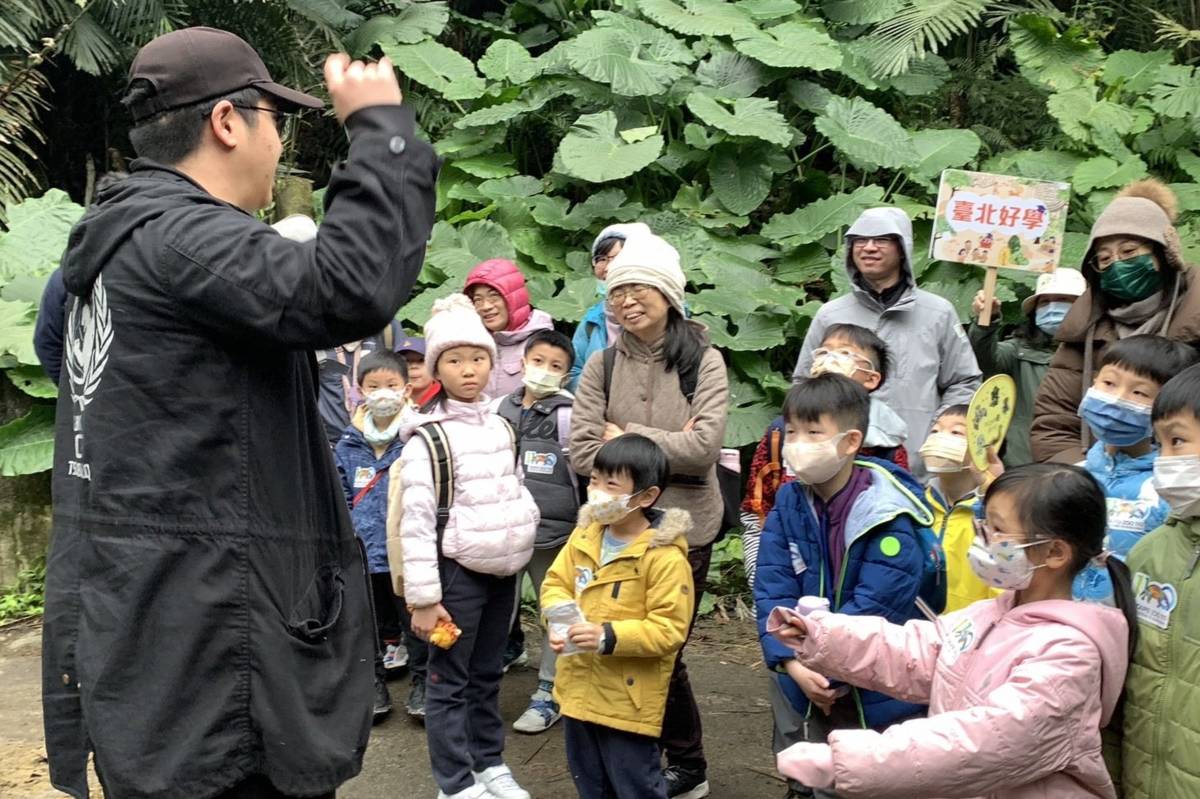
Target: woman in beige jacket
x: 664, y: 381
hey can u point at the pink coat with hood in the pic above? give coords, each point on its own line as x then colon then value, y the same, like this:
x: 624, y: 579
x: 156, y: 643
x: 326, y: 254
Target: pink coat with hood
x: 1017, y: 698
x: 493, y: 518
x: 523, y: 320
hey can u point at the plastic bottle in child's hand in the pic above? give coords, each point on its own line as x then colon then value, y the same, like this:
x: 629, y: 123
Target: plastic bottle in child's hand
x: 444, y: 634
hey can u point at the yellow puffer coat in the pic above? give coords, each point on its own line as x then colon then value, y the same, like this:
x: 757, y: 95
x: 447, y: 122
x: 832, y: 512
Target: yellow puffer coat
x: 644, y: 600
x: 954, y: 525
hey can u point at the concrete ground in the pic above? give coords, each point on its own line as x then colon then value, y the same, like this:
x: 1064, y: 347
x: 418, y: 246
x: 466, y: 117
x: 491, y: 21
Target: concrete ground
x: 723, y: 660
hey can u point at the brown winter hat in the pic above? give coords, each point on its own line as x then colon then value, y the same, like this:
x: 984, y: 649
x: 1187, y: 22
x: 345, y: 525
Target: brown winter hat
x: 1145, y: 209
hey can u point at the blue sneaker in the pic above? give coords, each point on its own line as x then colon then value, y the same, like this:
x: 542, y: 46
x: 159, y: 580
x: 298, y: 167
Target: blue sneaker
x: 542, y: 711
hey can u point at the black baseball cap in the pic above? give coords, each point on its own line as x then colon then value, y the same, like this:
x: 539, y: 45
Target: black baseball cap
x: 192, y: 65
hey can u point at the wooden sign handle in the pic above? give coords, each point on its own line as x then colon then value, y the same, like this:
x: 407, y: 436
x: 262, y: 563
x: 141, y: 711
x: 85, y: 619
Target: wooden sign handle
x: 989, y: 296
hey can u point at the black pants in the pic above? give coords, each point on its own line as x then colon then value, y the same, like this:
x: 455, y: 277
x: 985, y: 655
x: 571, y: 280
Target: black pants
x: 682, y: 738
x: 259, y: 787
x: 612, y: 764
x: 394, y: 623
x: 462, y: 692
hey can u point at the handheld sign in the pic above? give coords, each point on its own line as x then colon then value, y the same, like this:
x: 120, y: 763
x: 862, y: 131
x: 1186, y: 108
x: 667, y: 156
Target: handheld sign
x: 997, y: 221
x: 988, y: 417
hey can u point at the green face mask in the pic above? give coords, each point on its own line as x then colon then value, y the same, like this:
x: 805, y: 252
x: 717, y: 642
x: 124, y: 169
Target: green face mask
x: 1132, y: 279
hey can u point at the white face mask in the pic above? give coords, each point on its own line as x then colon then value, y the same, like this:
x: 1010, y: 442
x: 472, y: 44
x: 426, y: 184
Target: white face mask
x: 1177, y: 481
x: 944, y: 453
x: 1002, y: 564
x: 606, y: 508
x: 384, y: 403
x: 815, y: 462
x: 541, y: 382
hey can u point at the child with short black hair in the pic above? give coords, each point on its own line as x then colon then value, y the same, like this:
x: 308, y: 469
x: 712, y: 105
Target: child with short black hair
x: 953, y: 494
x: 540, y: 412
x: 625, y: 569
x: 846, y: 529
x: 424, y: 387
x: 1117, y: 409
x: 1166, y: 664
x: 367, y: 449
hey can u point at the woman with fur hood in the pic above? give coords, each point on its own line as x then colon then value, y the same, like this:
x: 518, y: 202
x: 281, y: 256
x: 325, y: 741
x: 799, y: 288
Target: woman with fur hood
x: 1137, y: 283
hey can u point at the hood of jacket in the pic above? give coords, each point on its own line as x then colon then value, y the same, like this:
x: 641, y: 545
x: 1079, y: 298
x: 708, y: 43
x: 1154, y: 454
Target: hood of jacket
x: 881, y: 222
x: 893, y: 492
x: 535, y: 320
x: 1104, y: 626
x: 447, y: 410
x: 503, y: 276
x: 1119, y: 467
x: 887, y: 428
x: 120, y: 209
x: 667, y: 528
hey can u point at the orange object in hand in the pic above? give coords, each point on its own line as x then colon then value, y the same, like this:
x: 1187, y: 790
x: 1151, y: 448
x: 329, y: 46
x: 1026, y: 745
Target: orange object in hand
x: 444, y: 634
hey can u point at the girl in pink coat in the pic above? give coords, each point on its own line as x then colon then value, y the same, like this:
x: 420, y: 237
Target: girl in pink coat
x: 1018, y: 687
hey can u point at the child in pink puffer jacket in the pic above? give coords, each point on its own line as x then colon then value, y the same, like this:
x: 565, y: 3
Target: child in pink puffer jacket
x: 1018, y: 687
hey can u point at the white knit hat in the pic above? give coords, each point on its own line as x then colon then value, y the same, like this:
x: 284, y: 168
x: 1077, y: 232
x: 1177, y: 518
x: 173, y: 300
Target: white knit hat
x: 455, y: 323
x: 649, y: 259
x: 621, y: 231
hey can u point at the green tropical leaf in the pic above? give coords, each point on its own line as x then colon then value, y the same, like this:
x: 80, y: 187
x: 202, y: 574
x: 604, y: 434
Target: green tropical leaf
x: 731, y: 74
x: 924, y: 76
x: 611, y: 57
x: 329, y: 13
x: 740, y: 177
x: 414, y: 23
x: 33, y: 381
x: 27, y: 443
x: 808, y: 95
x: 767, y: 10
x: 698, y: 17
x: 943, y: 149
x: 418, y: 309
x: 1176, y: 92
x: 1133, y: 70
x: 1104, y: 172
x: 572, y: 300
x: 659, y: 45
x: 16, y: 331
x: 751, y: 116
x: 818, y: 219
x: 918, y: 27
x: 1038, y: 164
x: 791, y: 45
x: 533, y: 99
x: 593, y: 151
x: 37, y: 234
x: 517, y: 187
x: 603, y: 206
x: 508, y: 61
x: 866, y: 134
x: 860, y: 12
x: 492, y: 165
x: 434, y: 65
x: 456, y: 251
x: 1189, y: 162
x: 1058, y: 59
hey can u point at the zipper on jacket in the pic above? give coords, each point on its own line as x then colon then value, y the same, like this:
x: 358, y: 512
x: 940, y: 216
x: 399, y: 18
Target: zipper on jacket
x: 1192, y: 563
x: 616, y: 590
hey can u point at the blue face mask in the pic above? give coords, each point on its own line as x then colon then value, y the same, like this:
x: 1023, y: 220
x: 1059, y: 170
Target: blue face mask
x: 1116, y: 422
x: 1049, y: 316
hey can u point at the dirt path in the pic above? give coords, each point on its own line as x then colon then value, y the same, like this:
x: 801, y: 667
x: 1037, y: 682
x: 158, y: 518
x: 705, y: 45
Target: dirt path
x: 723, y: 662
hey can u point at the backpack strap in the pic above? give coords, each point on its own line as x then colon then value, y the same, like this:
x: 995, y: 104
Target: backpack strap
x: 434, y: 436
x: 610, y: 361
x: 512, y: 438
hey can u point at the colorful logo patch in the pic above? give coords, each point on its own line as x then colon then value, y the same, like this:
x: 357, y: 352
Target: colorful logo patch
x: 540, y: 462
x: 1155, y: 601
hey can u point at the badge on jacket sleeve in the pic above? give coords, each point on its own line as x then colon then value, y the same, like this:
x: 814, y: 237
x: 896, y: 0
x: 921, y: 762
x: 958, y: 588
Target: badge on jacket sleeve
x: 1155, y: 601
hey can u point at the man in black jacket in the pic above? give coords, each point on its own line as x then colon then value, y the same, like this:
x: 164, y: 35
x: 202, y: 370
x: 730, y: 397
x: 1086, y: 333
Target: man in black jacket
x: 208, y: 630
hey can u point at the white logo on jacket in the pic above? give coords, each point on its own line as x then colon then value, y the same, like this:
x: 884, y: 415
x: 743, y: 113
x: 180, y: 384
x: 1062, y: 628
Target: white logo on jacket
x: 89, y: 337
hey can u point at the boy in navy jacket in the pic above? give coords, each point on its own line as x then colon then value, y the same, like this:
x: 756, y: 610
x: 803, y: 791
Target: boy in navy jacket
x: 847, y: 530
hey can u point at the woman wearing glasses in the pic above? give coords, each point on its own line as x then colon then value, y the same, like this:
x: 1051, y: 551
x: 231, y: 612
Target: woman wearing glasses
x: 597, y: 327
x: 662, y: 379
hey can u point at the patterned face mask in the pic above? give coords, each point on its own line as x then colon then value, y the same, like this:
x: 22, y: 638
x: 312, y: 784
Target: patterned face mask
x: 606, y: 508
x: 1001, y: 564
x: 385, y: 402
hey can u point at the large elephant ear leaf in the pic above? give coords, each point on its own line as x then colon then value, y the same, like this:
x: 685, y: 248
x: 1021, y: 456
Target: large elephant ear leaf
x: 593, y: 151
x: 867, y: 135
x: 749, y: 116
x: 447, y: 72
x: 699, y: 17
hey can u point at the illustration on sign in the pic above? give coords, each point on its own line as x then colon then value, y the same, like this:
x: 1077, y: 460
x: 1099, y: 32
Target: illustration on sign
x: 999, y: 221
x: 989, y: 415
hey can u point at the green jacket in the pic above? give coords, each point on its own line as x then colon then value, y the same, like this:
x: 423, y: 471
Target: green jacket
x: 1026, y: 362
x: 1161, y: 748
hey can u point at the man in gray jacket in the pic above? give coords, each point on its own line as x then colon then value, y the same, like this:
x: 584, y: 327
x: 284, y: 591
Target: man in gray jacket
x: 933, y: 365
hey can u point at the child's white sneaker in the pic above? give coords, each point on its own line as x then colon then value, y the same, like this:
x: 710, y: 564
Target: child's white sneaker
x: 476, y: 791
x: 500, y: 783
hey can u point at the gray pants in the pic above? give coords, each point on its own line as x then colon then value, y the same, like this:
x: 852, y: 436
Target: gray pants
x: 539, y: 564
x: 791, y: 728
x: 462, y: 689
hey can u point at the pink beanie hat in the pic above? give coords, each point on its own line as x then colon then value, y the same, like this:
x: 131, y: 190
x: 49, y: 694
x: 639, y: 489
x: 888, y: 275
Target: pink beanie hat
x: 454, y: 323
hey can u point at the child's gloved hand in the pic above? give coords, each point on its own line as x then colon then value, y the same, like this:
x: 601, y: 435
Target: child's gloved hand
x: 809, y: 764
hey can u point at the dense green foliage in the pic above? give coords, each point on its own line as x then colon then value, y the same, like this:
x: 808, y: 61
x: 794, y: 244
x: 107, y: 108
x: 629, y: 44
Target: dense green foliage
x: 747, y: 132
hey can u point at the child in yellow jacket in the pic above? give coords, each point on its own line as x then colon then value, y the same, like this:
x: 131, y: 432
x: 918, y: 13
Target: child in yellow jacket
x: 618, y: 602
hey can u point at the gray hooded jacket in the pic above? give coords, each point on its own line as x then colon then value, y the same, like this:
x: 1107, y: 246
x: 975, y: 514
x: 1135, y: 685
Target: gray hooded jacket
x: 933, y: 366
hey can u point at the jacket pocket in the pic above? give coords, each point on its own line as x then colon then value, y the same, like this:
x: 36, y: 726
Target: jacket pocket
x: 321, y: 605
